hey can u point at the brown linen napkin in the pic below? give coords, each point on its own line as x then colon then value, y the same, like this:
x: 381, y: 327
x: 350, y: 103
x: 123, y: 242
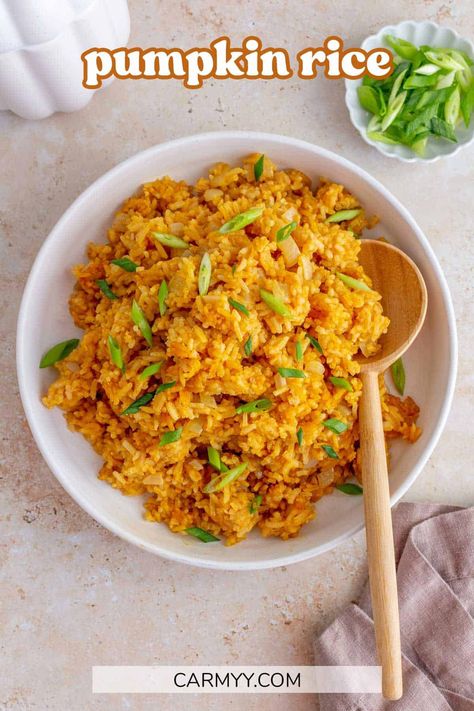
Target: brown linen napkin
x: 435, y: 573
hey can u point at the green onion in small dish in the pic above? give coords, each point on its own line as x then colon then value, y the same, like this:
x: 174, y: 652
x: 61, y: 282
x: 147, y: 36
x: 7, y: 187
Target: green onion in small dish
x: 423, y: 110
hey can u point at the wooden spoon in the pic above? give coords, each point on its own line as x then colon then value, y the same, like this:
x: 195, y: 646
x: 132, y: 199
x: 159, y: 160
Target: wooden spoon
x: 404, y: 301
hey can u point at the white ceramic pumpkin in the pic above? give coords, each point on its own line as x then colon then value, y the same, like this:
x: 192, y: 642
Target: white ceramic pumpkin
x: 41, y: 42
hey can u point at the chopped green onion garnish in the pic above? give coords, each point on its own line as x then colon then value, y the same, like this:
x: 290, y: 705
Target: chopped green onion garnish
x: 298, y: 351
x: 105, y: 289
x: 115, y: 353
x: 165, y: 386
x: 58, y: 352
x: 254, y: 406
x: 353, y: 283
x: 240, y: 307
x: 170, y: 437
x: 443, y: 129
x: 162, y: 294
x: 404, y: 49
x: 258, y: 167
x: 285, y: 231
x: 204, y: 278
x: 201, y: 534
x: 242, y: 220
x: 335, y: 426
x: 148, y: 397
x: 351, y: 489
x: 222, y: 480
x: 299, y: 436
x: 398, y: 375
x: 255, y: 504
x: 248, y: 347
x: 139, y: 319
x: 369, y: 99
x: 341, y: 383
x: 150, y: 370
x: 126, y: 264
x: 214, y: 458
x: 330, y: 451
x: 452, y: 106
x: 314, y: 342
x: 171, y: 241
x: 291, y: 373
x: 133, y: 408
x: 344, y: 215
x: 275, y: 304
x: 424, y: 96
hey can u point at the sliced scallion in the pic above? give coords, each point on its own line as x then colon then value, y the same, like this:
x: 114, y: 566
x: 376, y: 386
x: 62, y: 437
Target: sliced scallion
x: 248, y: 347
x: 314, y: 342
x: 222, y: 480
x: 341, y: 383
x: 201, y: 534
x: 398, y: 375
x: 284, y: 232
x: 125, y: 263
x: 402, y: 47
x: 214, y: 458
x: 204, y: 278
x: 368, y: 99
x: 170, y: 241
x: 148, y: 397
x: 291, y: 373
x: 274, y: 303
x: 299, y: 436
x: 330, y: 451
x: 254, y: 406
x: 115, y: 353
x: 394, y: 109
x: 170, y: 437
x: 335, y: 425
x: 353, y: 283
x: 255, y: 503
x: 150, y: 370
x: 344, y: 215
x: 137, y: 404
x: 106, y: 290
x: 139, y: 319
x: 350, y: 489
x: 298, y: 351
x: 258, y: 167
x: 240, y: 307
x: 162, y: 295
x: 242, y: 220
x: 165, y: 386
x: 442, y: 128
x: 452, y: 107
x: 58, y: 352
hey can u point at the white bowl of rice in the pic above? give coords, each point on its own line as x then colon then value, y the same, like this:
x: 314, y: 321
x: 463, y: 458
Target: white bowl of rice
x: 44, y: 319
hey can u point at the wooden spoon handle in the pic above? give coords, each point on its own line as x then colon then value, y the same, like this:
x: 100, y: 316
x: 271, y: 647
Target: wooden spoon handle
x: 379, y: 533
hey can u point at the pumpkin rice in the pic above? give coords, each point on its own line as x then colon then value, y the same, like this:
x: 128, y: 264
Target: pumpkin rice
x: 220, y: 356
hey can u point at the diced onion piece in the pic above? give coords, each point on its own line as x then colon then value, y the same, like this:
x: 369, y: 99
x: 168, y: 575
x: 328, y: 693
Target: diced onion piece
x: 315, y: 366
x: 290, y: 251
x: 307, y: 267
x: 212, y: 194
x: 177, y: 228
x: 153, y: 480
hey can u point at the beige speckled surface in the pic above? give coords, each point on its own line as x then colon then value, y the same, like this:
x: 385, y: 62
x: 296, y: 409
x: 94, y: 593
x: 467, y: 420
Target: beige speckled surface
x: 72, y: 594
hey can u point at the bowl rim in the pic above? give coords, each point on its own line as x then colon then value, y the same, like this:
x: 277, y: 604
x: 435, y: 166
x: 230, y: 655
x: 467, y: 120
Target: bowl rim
x: 27, y: 396
x: 350, y: 85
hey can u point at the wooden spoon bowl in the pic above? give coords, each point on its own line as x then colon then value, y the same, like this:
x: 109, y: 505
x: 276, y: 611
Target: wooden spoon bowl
x: 404, y: 301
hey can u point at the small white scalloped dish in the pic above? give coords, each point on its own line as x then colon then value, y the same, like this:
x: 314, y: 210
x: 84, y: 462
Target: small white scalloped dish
x: 44, y: 319
x: 417, y: 33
